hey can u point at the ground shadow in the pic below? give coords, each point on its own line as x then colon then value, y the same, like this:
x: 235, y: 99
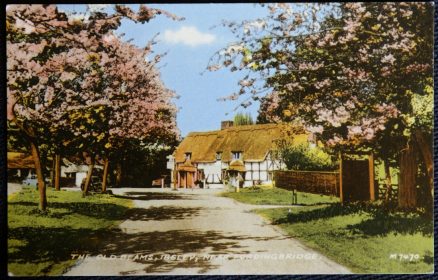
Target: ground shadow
x: 159, y: 243
x: 57, y: 244
x: 162, y: 213
x: 154, y: 196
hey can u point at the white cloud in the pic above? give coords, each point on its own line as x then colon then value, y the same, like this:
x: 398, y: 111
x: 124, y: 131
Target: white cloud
x: 188, y: 35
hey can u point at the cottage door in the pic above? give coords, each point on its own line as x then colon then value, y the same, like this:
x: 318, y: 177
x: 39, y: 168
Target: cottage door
x: 190, y: 179
x: 183, y: 183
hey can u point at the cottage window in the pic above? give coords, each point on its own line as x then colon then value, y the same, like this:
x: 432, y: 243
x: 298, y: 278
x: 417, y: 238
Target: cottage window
x: 237, y: 155
x: 188, y: 156
x: 218, y: 155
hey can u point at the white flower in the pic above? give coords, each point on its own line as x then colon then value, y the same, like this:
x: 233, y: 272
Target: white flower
x: 354, y: 130
x: 389, y: 58
x: 316, y: 129
x: 234, y: 49
x: 214, y: 67
x: 246, y: 83
x: 27, y: 27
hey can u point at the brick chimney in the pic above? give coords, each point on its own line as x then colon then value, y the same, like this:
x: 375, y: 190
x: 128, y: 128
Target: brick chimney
x: 226, y: 124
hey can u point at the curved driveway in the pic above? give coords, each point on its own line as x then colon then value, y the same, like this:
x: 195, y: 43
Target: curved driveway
x: 197, y: 232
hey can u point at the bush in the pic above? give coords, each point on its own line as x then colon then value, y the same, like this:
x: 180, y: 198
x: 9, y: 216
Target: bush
x: 304, y: 157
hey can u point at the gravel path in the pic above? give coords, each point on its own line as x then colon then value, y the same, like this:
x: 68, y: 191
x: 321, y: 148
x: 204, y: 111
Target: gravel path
x: 14, y: 188
x: 197, y: 232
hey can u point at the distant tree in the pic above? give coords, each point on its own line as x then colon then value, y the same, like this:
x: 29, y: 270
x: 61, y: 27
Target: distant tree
x: 243, y: 119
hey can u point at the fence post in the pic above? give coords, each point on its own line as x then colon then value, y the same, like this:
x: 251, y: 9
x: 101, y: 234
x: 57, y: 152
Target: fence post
x: 294, y: 197
x: 341, y: 193
x: 371, y: 172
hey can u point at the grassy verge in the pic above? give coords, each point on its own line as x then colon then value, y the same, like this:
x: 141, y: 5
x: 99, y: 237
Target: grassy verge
x: 42, y: 243
x: 276, y: 196
x: 367, y: 240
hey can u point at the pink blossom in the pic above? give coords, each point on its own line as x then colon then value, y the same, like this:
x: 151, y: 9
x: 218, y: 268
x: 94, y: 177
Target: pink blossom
x: 315, y: 129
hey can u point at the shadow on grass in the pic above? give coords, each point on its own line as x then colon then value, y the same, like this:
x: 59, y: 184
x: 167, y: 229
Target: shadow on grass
x: 313, y: 204
x: 377, y: 220
x: 329, y: 211
x: 107, y: 211
x: 380, y: 225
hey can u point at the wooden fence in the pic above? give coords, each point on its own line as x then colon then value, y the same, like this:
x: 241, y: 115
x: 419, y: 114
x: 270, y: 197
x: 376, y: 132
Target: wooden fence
x: 318, y: 182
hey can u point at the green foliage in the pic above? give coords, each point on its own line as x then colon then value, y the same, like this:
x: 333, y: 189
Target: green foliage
x: 16, y: 140
x: 34, y: 237
x: 361, y: 238
x: 243, y: 119
x: 306, y: 157
x: 276, y: 196
x: 143, y: 161
x: 422, y: 107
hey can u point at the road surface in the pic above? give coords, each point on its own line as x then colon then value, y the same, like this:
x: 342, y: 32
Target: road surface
x: 197, y: 232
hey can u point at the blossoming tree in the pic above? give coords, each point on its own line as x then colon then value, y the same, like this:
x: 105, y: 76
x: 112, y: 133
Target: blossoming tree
x: 67, y: 77
x: 358, y: 75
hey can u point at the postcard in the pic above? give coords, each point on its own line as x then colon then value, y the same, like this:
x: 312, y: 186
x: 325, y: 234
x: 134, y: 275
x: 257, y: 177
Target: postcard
x: 220, y: 139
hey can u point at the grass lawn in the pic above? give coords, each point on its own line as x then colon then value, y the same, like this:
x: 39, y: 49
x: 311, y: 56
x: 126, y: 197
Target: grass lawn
x: 275, y: 196
x: 364, y: 239
x: 42, y: 243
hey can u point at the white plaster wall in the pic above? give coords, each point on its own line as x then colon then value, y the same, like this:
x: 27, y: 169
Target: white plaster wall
x: 215, y: 169
x: 79, y: 177
x: 263, y: 175
x: 248, y: 165
x: 212, y: 171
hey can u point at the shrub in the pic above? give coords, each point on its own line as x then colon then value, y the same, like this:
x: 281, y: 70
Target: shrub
x: 304, y: 157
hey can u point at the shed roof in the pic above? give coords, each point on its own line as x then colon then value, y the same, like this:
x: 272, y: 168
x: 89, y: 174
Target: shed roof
x: 254, y: 141
x: 18, y: 160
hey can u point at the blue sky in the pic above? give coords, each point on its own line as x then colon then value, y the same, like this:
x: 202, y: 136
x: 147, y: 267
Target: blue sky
x: 190, y: 44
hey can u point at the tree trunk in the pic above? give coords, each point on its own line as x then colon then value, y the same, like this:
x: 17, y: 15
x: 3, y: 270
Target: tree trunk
x: 425, y: 147
x: 40, y: 176
x: 387, y: 180
x: 408, y: 170
x: 119, y: 175
x: 57, y: 171
x: 88, y: 178
x: 105, y: 174
x: 52, y: 173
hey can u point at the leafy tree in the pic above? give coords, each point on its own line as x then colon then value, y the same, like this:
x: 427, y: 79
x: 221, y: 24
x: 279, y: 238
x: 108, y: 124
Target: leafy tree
x: 305, y: 157
x: 354, y: 74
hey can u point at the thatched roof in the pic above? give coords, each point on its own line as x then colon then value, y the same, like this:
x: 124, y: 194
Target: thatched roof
x: 20, y: 161
x: 254, y: 141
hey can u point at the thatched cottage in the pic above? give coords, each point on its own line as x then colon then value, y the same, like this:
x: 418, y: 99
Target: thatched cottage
x: 233, y: 155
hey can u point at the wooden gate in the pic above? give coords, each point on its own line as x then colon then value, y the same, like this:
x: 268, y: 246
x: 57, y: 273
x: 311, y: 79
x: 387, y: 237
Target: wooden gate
x: 357, y: 179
